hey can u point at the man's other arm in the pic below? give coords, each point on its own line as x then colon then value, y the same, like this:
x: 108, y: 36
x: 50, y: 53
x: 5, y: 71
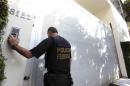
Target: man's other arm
x: 25, y: 52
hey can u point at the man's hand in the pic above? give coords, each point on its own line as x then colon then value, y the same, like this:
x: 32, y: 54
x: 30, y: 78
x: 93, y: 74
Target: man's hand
x: 13, y: 41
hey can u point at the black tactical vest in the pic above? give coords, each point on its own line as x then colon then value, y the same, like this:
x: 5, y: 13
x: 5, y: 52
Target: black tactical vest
x: 58, y: 56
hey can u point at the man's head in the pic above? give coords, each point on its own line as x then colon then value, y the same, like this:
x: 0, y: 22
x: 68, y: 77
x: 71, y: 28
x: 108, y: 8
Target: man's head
x: 52, y: 32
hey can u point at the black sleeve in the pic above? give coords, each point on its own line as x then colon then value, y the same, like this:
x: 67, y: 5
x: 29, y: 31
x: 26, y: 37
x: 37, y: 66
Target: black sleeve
x: 41, y: 48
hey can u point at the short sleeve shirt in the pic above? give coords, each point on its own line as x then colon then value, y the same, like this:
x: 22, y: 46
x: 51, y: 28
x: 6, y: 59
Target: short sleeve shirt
x: 41, y: 48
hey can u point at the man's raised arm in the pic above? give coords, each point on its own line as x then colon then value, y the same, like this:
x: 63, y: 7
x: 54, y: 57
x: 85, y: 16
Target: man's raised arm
x: 14, y: 43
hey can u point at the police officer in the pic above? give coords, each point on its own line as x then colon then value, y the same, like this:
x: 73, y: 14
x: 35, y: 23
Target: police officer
x: 57, y: 57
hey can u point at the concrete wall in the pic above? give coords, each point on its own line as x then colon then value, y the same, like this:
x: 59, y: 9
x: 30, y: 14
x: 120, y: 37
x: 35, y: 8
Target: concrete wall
x: 15, y: 63
x: 93, y: 47
x: 109, y: 14
x: 94, y: 54
x: 120, y: 30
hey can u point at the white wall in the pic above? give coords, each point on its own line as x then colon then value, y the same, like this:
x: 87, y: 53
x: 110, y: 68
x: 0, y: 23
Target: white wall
x: 111, y: 15
x: 120, y: 30
x: 15, y: 63
x: 93, y: 49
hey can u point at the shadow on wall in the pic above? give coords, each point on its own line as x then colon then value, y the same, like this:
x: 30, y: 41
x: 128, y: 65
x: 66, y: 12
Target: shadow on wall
x: 93, y: 49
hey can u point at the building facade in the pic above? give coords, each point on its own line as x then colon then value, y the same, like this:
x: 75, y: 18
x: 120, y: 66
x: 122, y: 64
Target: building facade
x: 94, y: 28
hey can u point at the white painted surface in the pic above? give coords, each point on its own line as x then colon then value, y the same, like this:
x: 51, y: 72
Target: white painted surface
x: 93, y: 49
x: 122, y: 82
x: 106, y: 11
x: 93, y: 6
x: 15, y: 63
x: 109, y: 14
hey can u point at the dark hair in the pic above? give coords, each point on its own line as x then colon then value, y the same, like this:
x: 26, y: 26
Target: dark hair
x: 52, y: 29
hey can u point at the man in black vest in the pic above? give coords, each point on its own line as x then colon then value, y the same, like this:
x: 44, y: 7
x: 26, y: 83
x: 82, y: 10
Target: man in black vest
x: 57, y: 57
